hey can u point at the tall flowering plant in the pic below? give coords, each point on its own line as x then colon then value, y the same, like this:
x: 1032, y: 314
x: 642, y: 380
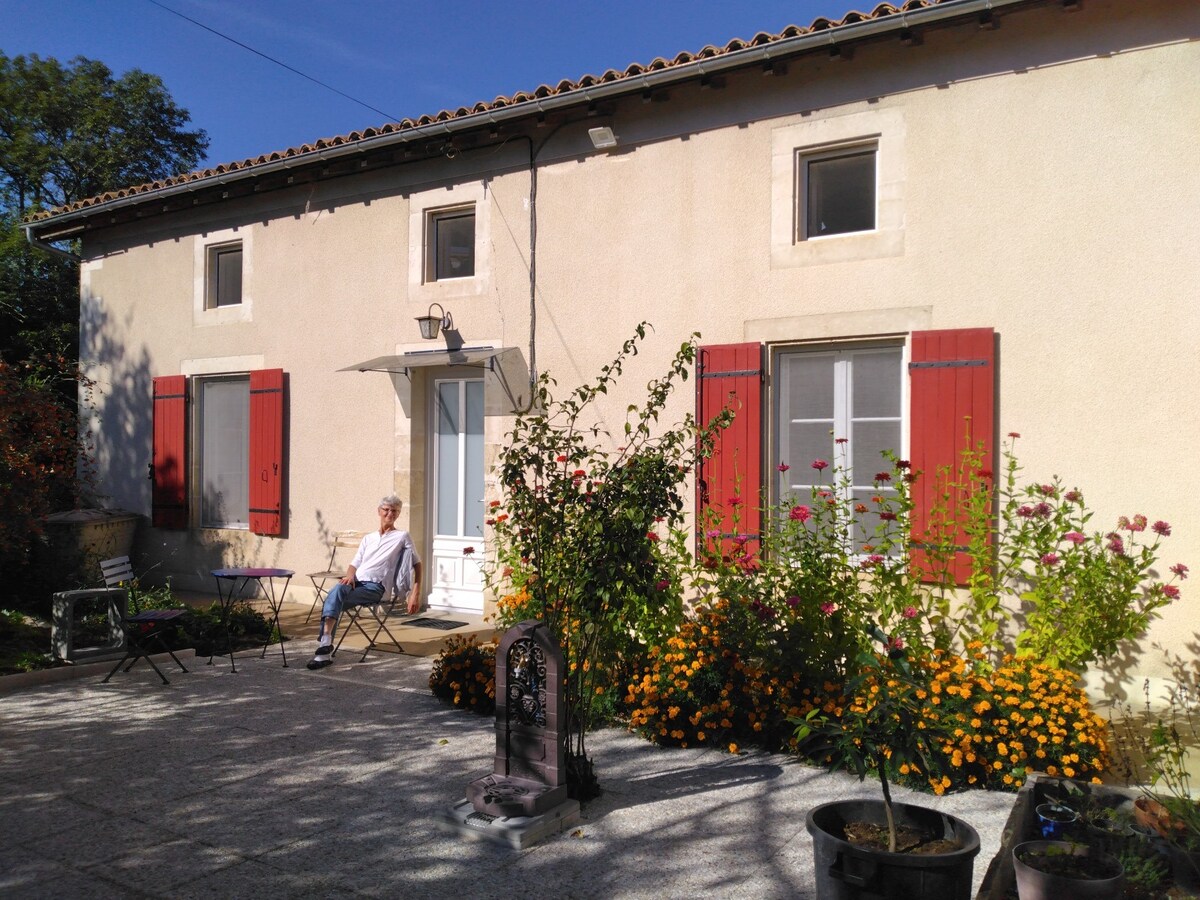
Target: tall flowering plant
x: 1085, y: 592
x: 579, y: 529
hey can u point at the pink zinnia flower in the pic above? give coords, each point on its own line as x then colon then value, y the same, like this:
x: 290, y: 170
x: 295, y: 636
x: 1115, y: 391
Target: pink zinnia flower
x: 800, y: 514
x: 1073, y: 496
x: 1170, y: 591
x: 820, y: 464
x: 883, y: 476
x: 1050, y: 559
x: 829, y: 607
x: 793, y: 601
x: 662, y: 584
x: 1138, y: 523
x: 871, y: 561
x: 895, y: 643
x: 1025, y: 512
x: 910, y: 612
x: 652, y: 536
x: 888, y: 516
x: 984, y: 473
x: 1123, y: 521
x: 1075, y: 537
x: 1161, y: 527
x: 1042, y: 510
x: 712, y: 533
x: 1048, y: 490
x: 1115, y: 544
x: 783, y: 467
x: 734, y: 501
x: 1014, y: 434
x: 1181, y: 570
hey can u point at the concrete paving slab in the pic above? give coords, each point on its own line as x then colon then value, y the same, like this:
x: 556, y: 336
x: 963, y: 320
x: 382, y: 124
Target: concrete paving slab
x: 288, y: 783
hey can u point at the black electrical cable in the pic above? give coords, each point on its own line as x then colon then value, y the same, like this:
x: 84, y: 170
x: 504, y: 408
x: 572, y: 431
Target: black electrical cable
x: 277, y: 62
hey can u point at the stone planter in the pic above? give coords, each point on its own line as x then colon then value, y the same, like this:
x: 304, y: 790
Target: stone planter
x: 79, y: 539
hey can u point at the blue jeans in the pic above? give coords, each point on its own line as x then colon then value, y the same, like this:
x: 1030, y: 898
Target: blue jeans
x: 342, y: 595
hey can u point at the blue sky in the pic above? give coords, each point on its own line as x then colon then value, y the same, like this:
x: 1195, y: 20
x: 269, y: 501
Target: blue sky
x: 406, y: 58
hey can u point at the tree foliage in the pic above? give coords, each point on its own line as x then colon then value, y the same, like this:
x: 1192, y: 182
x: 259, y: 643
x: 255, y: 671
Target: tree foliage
x: 68, y: 132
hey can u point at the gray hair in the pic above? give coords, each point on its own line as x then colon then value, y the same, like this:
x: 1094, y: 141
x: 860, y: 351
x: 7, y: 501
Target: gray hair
x: 391, y: 500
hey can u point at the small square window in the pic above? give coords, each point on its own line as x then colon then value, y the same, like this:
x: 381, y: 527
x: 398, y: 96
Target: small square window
x: 837, y: 192
x: 224, y: 276
x: 450, y: 236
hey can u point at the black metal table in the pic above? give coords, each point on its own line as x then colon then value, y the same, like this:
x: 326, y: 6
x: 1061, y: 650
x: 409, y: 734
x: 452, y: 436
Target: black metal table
x: 230, y: 585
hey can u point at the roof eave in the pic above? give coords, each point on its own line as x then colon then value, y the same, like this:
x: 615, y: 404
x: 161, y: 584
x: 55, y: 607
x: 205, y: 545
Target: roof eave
x: 67, y: 224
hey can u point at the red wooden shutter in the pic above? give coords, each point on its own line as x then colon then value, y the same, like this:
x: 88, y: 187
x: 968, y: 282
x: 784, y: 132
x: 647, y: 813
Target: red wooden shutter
x: 952, y: 380
x: 266, y: 451
x: 731, y: 375
x: 168, y: 469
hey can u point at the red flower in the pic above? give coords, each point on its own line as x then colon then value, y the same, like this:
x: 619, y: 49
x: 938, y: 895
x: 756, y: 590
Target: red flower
x: 1050, y: 559
x: 888, y: 516
x: 1014, y: 434
x: 1075, y: 537
x: 734, y: 501
x: 1073, y: 496
x: 1048, y: 490
x: 1170, y: 591
x: 860, y: 508
x: 829, y: 607
x: 903, y: 464
x: 579, y: 473
x: 494, y: 504
x: 1161, y: 527
x: 783, y: 467
x: 652, y: 536
x: 841, y: 440
x: 1181, y: 570
x: 800, y: 514
x: 984, y: 473
x: 793, y: 601
x: 820, y: 464
x: 662, y: 584
x: 560, y: 459
x: 883, y: 476
x: 503, y: 517
x: 468, y: 551
x: 1115, y: 544
x: 910, y: 612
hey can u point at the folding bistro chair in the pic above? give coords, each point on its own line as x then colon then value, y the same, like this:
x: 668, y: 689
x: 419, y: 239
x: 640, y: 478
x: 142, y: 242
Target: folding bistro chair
x: 342, y: 540
x: 377, y: 614
x: 142, y: 630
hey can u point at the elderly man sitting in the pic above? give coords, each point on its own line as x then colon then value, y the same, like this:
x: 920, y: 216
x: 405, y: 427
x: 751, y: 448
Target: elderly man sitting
x: 368, y: 573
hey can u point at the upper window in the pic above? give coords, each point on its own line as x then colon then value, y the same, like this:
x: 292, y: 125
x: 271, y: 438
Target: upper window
x: 223, y: 424
x: 450, y: 238
x: 836, y: 192
x: 843, y: 406
x: 224, y: 276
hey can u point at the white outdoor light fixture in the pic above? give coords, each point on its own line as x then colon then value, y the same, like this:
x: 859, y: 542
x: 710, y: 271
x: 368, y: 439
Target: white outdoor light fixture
x: 429, y: 323
x: 602, y: 137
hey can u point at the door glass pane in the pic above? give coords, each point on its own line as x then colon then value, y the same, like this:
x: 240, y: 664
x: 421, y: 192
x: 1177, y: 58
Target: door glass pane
x: 869, y: 441
x: 225, y: 453
x: 473, y: 474
x: 810, y: 385
x: 446, y: 465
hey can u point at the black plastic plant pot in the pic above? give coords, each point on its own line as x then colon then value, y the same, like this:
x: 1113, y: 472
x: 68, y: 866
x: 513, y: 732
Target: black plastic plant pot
x: 845, y: 871
x: 1045, y: 871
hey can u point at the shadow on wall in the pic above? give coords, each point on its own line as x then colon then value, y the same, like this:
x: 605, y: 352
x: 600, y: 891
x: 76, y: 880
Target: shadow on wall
x: 122, y: 424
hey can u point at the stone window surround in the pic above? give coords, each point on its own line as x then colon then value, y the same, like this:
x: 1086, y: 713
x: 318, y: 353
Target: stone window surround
x: 420, y: 205
x: 885, y: 129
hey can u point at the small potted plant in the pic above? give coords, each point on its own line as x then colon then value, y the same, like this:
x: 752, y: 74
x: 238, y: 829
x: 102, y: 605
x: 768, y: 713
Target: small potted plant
x: 1051, y: 870
x: 872, y: 848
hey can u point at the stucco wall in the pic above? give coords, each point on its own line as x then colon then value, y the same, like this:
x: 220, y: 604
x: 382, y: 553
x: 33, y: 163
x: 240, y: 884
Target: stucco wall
x: 1038, y: 181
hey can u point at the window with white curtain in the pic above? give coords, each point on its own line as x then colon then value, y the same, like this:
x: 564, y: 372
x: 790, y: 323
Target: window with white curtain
x: 223, y: 425
x: 843, y: 406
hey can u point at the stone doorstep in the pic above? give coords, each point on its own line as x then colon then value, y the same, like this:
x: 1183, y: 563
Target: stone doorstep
x: 11, y: 683
x: 518, y: 832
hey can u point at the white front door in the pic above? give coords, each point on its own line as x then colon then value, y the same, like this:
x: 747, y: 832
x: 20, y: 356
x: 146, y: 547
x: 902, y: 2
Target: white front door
x: 456, y: 490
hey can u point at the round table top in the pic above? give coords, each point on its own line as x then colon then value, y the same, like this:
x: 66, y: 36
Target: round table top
x: 252, y: 573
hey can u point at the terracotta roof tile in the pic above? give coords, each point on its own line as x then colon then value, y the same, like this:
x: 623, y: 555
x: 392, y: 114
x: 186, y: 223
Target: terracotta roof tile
x: 540, y: 93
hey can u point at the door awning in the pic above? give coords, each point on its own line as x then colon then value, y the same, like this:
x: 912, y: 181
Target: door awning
x: 473, y: 357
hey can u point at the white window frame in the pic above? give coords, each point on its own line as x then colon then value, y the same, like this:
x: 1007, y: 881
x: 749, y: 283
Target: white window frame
x: 800, y: 478
x: 213, y: 255
x: 432, y: 218
x: 197, y: 449
x: 203, y: 247
x: 791, y: 144
x: 803, y: 193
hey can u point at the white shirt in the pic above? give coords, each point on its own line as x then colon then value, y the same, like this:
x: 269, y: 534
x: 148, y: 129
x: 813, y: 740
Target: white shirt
x: 377, y: 555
